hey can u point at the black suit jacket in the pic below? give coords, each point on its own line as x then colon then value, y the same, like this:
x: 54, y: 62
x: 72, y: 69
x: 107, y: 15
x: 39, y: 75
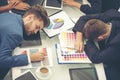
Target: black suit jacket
x: 109, y: 53
x: 106, y: 17
x: 99, y: 6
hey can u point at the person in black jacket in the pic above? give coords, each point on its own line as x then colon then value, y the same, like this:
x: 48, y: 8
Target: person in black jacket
x: 97, y: 6
x: 103, y: 28
x: 108, y: 37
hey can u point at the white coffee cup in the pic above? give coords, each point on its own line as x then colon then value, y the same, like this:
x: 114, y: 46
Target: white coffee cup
x: 43, y: 72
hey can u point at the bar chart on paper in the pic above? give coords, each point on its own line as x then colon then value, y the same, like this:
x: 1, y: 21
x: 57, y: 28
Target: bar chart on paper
x: 31, y: 50
x: 66, y: 52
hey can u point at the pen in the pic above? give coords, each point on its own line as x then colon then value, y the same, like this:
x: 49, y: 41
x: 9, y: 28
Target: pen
x: 58, y: 50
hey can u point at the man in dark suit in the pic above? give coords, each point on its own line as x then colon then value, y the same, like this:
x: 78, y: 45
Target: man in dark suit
x: 105, y: 29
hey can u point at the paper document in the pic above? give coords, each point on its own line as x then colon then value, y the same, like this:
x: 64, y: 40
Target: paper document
x: 47, y: 53
x: 58, y: 22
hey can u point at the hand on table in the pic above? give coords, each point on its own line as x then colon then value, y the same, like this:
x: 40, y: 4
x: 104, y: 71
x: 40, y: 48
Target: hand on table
x: 79, y: 46
x: 13, y: 3
x: 69, y: 2
x: 72, y: 3
x: 38, y: 56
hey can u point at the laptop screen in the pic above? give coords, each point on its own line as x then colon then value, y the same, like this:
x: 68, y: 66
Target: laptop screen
x: 55, y: 4
x: 83, y: 74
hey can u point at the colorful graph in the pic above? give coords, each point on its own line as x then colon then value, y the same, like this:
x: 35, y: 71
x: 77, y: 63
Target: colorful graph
x: 56, y: 23
x: 74, y: 57
x: 67, y: 39
x: 66, y: 51
x: 38, y: 63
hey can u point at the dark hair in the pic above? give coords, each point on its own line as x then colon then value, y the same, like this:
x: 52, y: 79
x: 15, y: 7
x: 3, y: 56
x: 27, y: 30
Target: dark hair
x: 39, y: 12
x: 94, y: 28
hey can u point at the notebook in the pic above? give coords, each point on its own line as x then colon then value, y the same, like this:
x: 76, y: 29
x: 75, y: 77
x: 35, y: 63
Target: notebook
x: 32, y: 40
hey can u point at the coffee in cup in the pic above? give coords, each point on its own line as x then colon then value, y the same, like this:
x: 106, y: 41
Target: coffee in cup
x: 44, y: 71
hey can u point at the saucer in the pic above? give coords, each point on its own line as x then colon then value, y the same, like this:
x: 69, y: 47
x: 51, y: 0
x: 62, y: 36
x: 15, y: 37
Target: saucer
x: 41, y: 77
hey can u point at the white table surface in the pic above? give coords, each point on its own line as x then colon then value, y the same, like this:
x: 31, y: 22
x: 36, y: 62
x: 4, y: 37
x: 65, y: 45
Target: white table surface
x: 61, y: 71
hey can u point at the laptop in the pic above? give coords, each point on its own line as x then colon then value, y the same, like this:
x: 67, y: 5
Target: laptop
x: 32, y: 40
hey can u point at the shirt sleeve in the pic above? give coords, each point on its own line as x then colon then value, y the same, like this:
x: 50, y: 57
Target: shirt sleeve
x: 109, y: 55
x: 8, y: 44
x: 93, y: 9
x: 106, y: 17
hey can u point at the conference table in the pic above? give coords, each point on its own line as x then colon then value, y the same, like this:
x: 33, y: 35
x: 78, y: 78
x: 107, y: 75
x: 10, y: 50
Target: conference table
x: 60, y: 71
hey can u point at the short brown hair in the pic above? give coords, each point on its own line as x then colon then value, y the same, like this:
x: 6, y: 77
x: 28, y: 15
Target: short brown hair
x: 94, y: 28
x: 39, y: 12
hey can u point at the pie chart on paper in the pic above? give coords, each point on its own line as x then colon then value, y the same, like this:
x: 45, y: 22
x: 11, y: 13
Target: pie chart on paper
x: 56, y: 23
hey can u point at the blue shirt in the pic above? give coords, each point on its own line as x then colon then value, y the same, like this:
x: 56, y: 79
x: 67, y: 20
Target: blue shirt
x: 11, y: 36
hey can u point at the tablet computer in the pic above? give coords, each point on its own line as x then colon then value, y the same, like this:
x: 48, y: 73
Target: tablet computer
x: 83, y: 73
x: 27, y: 75
x: 54, y: 4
